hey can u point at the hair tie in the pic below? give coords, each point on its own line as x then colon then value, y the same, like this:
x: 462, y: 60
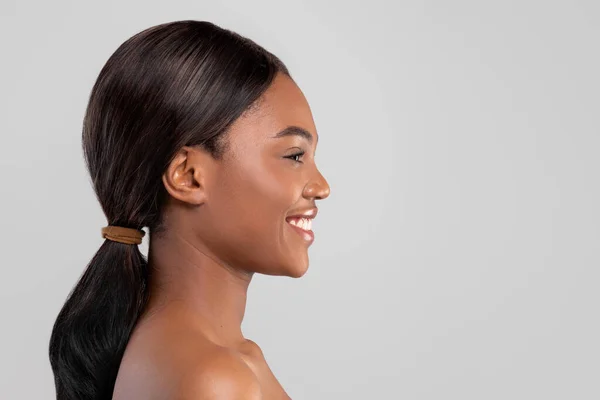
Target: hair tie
x: 123, y: 235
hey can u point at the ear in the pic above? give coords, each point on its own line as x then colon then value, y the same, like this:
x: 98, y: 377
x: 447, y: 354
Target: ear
x: 186, y: 176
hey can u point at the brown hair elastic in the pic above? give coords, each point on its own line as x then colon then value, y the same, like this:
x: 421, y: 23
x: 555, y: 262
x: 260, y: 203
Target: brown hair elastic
x: 123, y: 235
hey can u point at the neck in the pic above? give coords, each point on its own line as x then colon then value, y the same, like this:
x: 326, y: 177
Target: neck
x: 188, y: 278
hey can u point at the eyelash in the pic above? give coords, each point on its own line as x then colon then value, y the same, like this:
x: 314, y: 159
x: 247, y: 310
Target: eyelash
x: 291, y: 157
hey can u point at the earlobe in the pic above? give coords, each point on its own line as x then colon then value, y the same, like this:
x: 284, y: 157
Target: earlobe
x: 184, y: 178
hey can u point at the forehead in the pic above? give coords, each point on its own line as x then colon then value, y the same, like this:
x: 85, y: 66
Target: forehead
x: 282, y: 105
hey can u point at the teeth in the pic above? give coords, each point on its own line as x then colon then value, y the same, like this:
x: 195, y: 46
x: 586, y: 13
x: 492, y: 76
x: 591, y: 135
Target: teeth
x: 303, y: 223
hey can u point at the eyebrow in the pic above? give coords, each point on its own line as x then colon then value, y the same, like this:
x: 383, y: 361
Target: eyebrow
x: 296, y: 131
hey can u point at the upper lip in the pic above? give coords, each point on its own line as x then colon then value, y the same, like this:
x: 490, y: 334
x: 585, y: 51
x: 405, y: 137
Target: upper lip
x: 309, y: 214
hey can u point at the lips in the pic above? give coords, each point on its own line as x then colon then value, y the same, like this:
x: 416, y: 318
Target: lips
x: 301, y: 223
x: 308, y: 236
x: 310, y: 213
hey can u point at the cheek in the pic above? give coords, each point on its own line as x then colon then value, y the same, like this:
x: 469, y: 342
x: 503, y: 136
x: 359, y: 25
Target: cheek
x: 264, y: 189
x: 248, y: 204
x: 250, y: 215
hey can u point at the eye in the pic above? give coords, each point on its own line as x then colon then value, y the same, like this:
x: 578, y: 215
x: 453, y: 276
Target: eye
x: 292, y: 156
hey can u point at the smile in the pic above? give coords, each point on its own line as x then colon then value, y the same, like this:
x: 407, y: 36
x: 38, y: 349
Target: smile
x: 303, y: 223
x: 302, y: 226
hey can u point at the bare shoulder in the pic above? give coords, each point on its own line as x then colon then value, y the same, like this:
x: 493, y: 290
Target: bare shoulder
x: 220, y: 375
x: 163, y: 360
x: 250, y: 348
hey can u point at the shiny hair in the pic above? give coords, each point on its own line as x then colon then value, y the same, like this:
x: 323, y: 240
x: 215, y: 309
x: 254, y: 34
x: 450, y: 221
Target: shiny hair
x: 176, y: 84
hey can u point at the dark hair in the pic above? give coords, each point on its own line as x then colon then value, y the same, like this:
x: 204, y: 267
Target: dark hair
x: 176, y: 84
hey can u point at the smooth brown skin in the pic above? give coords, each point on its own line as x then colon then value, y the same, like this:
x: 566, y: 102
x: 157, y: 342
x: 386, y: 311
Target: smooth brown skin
x: 226, y: 221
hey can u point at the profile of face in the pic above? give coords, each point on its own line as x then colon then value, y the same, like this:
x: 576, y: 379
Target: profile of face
x: 237, y: 210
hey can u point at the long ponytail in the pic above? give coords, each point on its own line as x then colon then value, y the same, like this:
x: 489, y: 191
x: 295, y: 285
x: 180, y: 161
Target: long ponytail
x: 92, y: 329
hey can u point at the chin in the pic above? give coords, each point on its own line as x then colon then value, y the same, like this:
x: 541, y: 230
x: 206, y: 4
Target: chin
x: 295, y: 270
x: 298, y: 271
x: 293, y: 265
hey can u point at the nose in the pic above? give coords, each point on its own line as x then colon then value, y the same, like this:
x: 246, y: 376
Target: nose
x: 317, y: 188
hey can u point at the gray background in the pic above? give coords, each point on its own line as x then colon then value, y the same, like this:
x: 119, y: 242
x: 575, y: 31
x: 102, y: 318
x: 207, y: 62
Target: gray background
x: 457, y: 256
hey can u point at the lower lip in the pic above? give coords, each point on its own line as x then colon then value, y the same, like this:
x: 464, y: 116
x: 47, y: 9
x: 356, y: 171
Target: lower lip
x: 308, y: 236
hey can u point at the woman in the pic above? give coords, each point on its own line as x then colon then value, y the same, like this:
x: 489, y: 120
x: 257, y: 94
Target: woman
x: 202, y: 136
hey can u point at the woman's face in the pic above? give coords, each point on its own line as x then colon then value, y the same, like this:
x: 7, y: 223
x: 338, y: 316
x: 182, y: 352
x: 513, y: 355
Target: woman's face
x: 261, y: 181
